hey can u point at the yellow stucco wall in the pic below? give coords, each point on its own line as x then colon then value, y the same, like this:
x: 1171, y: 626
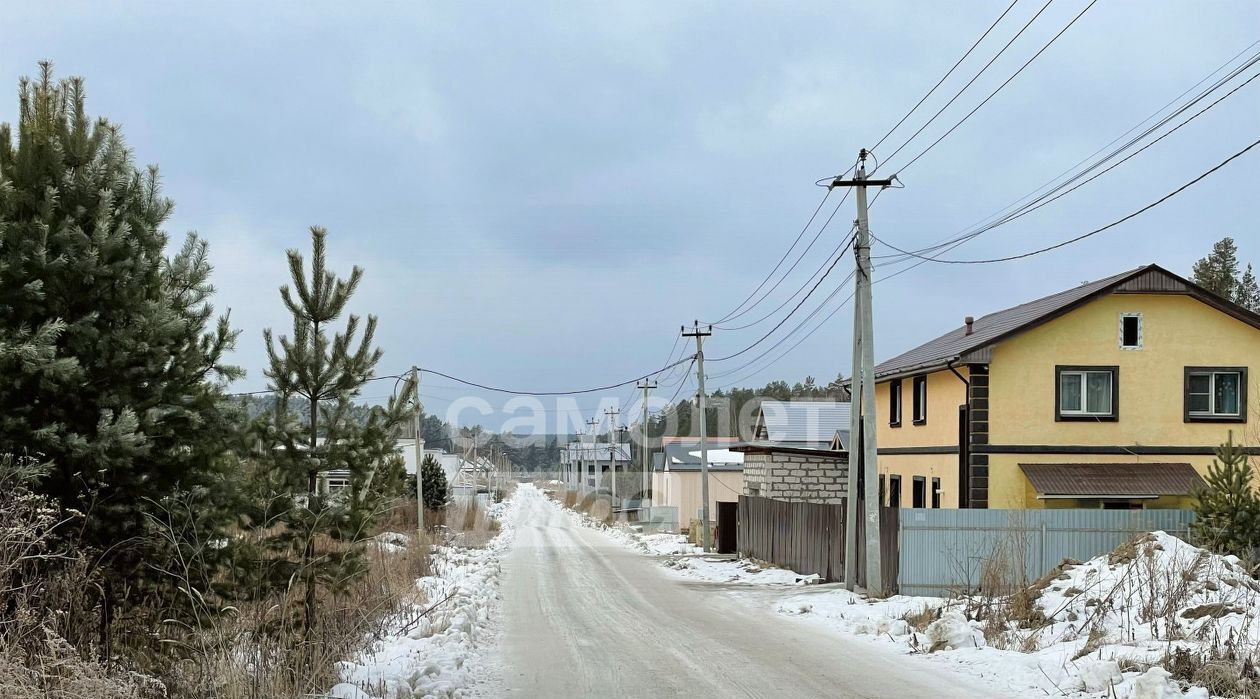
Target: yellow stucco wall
x: 945, y: 392
x: 1178, y: 331
x: 682, y: 489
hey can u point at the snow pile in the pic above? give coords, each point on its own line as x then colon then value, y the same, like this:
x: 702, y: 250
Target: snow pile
x: 688, y: 560
x: 430, y: 649
x: 391, y: 542
x: 952, y: 632
x: 739, y: 570
x: 1076, y: 629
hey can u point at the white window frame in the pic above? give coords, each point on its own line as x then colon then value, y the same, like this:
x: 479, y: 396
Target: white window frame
x: 1140, y: 332
x: 918, y: 387
x: 1084, y: 378
x: 1211, y: 394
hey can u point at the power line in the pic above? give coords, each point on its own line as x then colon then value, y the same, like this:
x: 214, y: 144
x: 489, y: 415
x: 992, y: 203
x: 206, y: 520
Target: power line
x: 1014, y: 209
x: 999, y: 88
x: 802, y: 287
x: 969, y: 83
x: 789, y: 271
x: 786, y: 317
x: 787, y: 252
x: 515, y: 392
x: 1096, y: 231
x: 946, y: 76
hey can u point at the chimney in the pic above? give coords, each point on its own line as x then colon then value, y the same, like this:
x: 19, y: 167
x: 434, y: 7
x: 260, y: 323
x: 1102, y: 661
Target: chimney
x: 969, y: 321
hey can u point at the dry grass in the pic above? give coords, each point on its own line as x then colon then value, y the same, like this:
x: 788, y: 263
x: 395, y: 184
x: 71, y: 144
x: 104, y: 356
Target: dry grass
x: 256, y: 649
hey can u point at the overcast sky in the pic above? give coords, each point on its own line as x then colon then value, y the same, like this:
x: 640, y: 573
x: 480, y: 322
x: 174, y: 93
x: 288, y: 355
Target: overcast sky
x: 541, y: 193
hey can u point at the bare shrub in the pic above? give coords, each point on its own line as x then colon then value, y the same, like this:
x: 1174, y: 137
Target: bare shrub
x: 243, y: 643
x: 47, y: 589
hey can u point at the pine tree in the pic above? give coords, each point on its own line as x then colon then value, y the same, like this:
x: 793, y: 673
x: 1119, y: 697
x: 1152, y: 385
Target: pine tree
x: 1218, y: 272
x: 437, y: 492
x: 323, y: 375
x: 1247, y: 294
x: 1228, y: 509
x: 112, y: 357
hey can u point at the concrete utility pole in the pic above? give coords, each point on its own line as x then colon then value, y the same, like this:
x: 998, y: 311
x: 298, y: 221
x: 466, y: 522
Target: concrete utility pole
x: 643, y: 446
x: 419, y: 445
x: 612, y: 414
x: 699, y: 334
x: 591, y: 424
x: 864, y: 375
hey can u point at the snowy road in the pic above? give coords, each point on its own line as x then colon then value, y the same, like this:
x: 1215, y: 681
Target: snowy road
x: 584, y: 616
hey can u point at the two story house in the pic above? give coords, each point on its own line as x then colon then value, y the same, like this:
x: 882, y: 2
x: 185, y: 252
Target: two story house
x: 1111, y: 394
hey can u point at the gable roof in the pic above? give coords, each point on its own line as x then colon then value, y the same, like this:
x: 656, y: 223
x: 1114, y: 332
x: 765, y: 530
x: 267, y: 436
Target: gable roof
x: 957, y: 346
x: 800, y: 422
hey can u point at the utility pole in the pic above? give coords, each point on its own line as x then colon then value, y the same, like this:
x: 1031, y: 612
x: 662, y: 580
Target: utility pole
x: 699, y: 334
x: 864, y: 373
x: 612, y: 414
x: 643, y: 446
x: 591, y: 425
x: 419, y: 445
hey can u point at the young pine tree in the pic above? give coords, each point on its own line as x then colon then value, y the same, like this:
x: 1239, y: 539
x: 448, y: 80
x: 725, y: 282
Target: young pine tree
x: 437, y: 492
x: 319, y: 372
x: 112, y: 358
x: 1228, y: 509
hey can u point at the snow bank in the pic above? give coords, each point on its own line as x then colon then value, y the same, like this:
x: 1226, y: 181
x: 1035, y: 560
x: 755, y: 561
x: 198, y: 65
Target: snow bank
x: 1129, y: 608
x: 687, y: 560
x: 431, y: 655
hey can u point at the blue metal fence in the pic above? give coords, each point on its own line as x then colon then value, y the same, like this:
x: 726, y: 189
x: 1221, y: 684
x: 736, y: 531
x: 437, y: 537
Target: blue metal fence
x: 943, y: 552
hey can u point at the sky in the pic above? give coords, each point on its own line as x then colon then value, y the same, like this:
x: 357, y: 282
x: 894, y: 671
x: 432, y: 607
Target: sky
x: 540, y: 194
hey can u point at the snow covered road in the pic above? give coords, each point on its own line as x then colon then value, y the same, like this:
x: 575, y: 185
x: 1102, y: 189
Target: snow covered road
x: 585, y: 616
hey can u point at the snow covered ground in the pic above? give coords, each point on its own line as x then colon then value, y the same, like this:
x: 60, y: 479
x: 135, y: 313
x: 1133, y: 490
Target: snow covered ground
x: 446, y: 652
x: 1098, y: 628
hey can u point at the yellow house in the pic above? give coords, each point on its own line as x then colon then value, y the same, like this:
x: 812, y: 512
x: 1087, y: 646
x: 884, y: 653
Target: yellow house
x: 1111, y: 394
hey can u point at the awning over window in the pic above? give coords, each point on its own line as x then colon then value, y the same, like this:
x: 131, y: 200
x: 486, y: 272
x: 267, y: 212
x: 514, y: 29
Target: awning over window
x: 1112, y: 481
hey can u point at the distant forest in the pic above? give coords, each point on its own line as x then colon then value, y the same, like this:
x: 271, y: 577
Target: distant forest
x: 542, y: 452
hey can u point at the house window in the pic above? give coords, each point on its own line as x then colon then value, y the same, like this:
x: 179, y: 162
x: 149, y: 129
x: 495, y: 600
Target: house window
x: 920, y: 400
x: 1131, y: 331
x: 894, y: 403
x: 918, y: 492
x: 1216, y: 394
x: 936, y: 493
x: 1086, y: 392
x: 881, y: 489
x: 894, y: 491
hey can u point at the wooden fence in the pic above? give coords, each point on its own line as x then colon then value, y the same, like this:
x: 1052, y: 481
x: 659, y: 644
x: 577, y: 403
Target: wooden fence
x: 809, y: 537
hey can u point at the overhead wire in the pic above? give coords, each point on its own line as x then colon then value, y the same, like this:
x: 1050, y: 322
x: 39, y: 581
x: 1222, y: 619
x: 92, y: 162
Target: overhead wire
x: 969, y: 83
x: 1156, y: 113
x: 786, y: 317
x: 1023, y: 206
x: 1093, y: 232
x: 1006, y: 82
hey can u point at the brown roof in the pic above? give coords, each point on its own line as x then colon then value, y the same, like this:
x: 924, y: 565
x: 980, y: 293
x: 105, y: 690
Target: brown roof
x: 1112, y: 480
x: 956, y: 345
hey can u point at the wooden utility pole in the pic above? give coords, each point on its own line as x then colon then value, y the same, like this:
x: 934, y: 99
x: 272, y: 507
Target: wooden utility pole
x: 699, y: 334
x: 862, y: 397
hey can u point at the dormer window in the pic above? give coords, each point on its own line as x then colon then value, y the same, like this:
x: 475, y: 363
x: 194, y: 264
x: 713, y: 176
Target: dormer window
x: 1131, y: 331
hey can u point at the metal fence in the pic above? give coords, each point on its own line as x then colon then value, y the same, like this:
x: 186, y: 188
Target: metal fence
x: 946, y: 551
